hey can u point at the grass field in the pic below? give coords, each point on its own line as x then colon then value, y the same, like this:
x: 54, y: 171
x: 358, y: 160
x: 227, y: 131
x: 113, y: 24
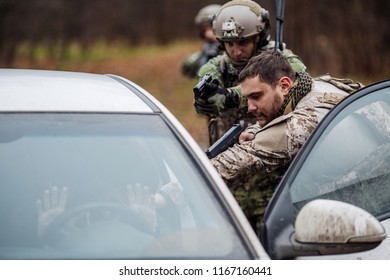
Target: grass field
x: 155, y: 68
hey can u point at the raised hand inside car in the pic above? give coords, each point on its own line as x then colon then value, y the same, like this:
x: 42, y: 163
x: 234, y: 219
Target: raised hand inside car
x: 142, y: 201
x: 51, y: 207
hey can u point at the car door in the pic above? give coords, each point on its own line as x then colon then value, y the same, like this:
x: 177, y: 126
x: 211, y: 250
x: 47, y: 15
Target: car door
x: 346, y: 159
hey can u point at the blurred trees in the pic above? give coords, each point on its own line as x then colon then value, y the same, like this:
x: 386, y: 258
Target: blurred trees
x: 343, y: 37
x: 346, y: 37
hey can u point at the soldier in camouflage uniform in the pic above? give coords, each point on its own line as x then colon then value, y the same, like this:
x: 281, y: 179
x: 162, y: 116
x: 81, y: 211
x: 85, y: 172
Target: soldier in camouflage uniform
x: 288, y: 106
x: 241, y: 26
x: 194, y: 61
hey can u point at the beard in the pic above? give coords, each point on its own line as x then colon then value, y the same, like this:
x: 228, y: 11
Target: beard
x: 265, y: 119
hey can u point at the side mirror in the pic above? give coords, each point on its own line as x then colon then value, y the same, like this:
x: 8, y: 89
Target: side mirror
x: 335, y: 227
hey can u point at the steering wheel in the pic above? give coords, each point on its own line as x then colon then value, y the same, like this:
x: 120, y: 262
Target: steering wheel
x: 80, y: 218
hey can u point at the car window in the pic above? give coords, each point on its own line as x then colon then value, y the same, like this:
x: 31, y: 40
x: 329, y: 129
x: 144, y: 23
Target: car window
x: 91, y: 159
x: 351, y: 160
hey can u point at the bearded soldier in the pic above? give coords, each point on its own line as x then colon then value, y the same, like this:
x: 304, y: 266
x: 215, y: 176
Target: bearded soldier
x: 288, y: 105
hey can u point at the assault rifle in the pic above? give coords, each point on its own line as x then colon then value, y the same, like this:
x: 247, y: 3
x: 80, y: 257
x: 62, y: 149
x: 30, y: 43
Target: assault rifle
x: 279, y: 25
x: 226, y: 141
x: 199, y: 88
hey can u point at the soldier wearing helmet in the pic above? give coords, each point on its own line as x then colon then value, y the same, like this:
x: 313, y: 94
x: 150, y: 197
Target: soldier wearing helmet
x: 203, y: 22
x: 242, y: 28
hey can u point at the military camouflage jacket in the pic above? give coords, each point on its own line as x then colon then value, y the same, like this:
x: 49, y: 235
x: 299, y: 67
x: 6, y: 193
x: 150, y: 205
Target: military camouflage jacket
x: 222, y: 69
x: 277, y: 143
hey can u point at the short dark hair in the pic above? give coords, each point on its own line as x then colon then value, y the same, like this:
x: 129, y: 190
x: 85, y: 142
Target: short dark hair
x: 269, y: 67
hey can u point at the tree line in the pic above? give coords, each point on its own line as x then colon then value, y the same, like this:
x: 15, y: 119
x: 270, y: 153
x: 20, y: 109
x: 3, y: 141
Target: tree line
x: 345, y: 37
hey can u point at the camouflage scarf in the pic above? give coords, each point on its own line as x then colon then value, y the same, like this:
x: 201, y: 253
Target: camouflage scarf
x: 301, y: 87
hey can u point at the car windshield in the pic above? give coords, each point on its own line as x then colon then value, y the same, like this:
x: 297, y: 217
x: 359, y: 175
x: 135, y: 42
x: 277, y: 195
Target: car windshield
x: 351, y: 160
x: 76, y: 186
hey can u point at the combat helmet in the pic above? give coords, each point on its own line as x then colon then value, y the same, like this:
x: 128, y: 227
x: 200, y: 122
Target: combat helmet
x: 241, y: 19
x: 206, y: 14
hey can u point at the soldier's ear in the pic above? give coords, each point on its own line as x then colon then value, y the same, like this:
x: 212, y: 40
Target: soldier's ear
x: 286, y: 84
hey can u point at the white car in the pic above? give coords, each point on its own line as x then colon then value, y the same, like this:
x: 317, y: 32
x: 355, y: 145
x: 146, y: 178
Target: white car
x: 93, y: 167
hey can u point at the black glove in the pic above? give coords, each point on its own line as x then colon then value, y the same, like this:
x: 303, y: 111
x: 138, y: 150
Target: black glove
x: 214, y: 99
x: 211, y: 88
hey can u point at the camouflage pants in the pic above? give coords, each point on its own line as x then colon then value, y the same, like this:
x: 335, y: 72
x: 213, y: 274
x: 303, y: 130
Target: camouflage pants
x: 254, y: 195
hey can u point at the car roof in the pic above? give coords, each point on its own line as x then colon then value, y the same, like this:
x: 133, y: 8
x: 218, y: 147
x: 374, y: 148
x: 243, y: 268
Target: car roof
x: 61, y: 91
